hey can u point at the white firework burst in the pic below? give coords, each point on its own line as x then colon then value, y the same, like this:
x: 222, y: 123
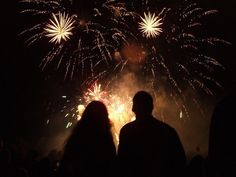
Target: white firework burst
x: 59, y: 28
x: 150, y: 25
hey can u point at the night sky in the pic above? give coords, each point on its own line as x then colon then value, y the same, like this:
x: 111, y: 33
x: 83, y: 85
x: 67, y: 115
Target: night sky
x: 26, y: 88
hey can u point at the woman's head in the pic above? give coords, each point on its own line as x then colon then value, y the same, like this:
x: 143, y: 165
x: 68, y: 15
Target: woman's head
x: 93, y: 126
x: 96, y: 113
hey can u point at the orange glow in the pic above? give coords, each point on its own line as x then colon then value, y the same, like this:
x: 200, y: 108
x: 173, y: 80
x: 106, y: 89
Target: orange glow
x: 134, y: 53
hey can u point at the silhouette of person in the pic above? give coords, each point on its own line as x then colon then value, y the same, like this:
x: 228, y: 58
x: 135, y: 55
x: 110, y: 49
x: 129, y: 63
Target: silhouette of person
x: 222, y: 138
x: 149, y: 147
x: 90, y: 150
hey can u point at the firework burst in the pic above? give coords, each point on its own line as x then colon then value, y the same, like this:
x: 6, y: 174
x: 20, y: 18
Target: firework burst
x: 95, y: 93
x: 59, y: 28
x: 150, y: 25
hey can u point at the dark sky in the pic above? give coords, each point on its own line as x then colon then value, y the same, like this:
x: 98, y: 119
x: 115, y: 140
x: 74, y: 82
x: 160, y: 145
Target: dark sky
x: 25, y: 87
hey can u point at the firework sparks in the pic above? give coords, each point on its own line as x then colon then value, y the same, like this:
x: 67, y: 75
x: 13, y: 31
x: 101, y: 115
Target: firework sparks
x: 150, y: 25
x: 181, y: 114
x: 119, y: 109
x: 95, y: 93
x: 59, y: 28
x: 115, y: 102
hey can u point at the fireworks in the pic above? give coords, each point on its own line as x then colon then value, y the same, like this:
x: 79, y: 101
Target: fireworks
x: 150, y: 25
x: 103, y: 30
x: 177, y: 60
x: 120, y: 111
x: 99, y: 30
x: 119, y: 106
x: 59, y: 28
x: 95, y: 93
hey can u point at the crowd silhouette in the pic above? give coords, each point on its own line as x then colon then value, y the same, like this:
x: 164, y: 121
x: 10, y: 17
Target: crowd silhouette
x: 147, y: 147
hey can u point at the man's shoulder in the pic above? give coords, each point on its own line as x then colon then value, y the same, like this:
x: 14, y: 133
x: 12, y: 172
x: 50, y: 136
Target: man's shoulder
x: 129, y: 125
x: 152, y: 123
x: 162, y: 126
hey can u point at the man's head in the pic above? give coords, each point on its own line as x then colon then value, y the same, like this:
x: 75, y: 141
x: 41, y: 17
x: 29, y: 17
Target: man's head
x: 142, y: 104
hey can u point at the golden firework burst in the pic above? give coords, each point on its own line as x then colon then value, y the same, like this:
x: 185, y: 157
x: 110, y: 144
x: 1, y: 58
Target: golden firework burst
x: 59, y: 28
x: 150, y: 25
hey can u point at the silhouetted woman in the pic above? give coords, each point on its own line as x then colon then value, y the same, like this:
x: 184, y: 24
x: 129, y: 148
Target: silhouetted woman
x: 90, y: 150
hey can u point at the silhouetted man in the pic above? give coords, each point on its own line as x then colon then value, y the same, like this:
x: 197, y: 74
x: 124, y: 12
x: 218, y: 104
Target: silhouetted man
x: 149, y: 147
